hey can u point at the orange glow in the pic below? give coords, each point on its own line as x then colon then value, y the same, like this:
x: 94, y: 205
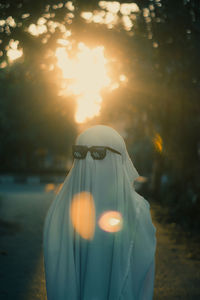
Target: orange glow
x: 49, y: 187
x: 83, y: 214
x: 142, y: 179
x: 111, y: 221
x: 158, y: 142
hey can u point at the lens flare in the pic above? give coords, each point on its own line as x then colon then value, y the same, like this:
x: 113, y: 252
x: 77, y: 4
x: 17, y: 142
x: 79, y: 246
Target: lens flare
x: 82, y: 214
x: 110, y: 221
x: 13, y: 51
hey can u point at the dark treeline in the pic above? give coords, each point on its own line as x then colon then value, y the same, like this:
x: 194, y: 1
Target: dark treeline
x: 35, y: 122
x: 158, y: 106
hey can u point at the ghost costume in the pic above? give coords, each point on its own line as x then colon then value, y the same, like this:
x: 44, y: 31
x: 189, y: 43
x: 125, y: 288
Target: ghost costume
x: 99, y: 241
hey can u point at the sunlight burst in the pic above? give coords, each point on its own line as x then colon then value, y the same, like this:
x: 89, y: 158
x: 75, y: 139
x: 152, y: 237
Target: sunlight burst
x: 87, y: 76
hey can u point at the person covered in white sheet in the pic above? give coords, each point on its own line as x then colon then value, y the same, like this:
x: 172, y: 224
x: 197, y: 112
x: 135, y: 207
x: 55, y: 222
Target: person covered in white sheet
x: 99, y: 241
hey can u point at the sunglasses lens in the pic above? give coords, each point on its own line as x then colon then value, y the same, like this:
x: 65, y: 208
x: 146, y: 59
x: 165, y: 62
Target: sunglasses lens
x: 98, y: 152
x: 79, y: 152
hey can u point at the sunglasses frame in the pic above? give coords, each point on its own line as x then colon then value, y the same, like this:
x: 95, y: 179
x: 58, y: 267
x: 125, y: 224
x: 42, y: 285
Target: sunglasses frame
x: 92, y: 148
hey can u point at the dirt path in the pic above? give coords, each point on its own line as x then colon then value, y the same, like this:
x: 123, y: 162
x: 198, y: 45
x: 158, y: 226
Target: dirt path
x: 21, y: 259
x: 177, y: 275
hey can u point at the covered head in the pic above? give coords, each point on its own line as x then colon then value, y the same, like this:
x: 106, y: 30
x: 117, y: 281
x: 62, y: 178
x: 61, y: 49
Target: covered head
x: 98, y: 232
x: 101, y: 135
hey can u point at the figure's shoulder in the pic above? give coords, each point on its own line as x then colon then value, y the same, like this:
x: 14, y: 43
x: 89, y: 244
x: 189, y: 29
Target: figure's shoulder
x: 144, y: 213
x: 141, y: 201
x: 146, y: 203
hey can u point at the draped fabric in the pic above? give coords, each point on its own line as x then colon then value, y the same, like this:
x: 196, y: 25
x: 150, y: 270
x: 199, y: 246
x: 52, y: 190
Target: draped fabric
x: 99, y: 241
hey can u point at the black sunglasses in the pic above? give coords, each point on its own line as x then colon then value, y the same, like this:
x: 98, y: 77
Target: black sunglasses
x: 97, y: 152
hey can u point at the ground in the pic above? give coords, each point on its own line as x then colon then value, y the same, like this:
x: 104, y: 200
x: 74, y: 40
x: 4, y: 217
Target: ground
x: 177, y: 272
x: 22, y: 212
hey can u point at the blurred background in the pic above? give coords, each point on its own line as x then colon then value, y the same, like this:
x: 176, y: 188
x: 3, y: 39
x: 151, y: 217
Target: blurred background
x: 68, y: 65
x: 134, y: 66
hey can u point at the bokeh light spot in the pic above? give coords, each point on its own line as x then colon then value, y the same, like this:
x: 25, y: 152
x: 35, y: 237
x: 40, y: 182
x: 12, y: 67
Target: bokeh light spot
x: 13, y: 52
x: 82, y: 214
x: 49, y: 187
x: 110, y: 221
